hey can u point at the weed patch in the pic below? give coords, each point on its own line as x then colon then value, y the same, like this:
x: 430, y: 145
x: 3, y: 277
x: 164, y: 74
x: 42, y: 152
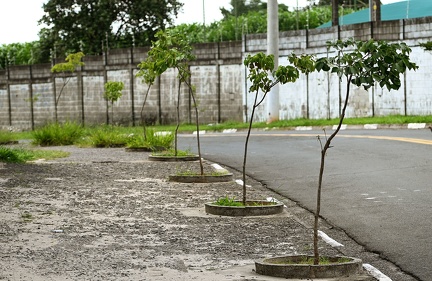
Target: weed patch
x: 58, y: 134
x: 20, y: 155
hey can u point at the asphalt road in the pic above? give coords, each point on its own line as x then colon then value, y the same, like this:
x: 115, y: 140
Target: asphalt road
x: 377, y: 183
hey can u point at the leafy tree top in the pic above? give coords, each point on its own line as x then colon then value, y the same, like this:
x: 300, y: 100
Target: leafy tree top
x: 72, y: 62
x: 113, y: 90
x: 242, y: 7
x: 172, y: 49
x: 86, y: 24
x: 355, y: 4
x: 365, y: 63
x: 427, y: 45
x: 362, y: 63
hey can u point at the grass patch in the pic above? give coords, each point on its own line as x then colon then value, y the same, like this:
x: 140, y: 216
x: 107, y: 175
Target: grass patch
x: 171, y: 152
x: 226, y: 201
x: 21, y: 155
x: 153, y: 140
x: 392, y: 119
x: 113, y: 136
x: 7, y: 137
x: 107, y: 136
x: 54, y: 134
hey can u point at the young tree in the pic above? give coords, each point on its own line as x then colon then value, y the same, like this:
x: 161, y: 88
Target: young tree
x: 358, y: 63
x: 148, y: 72
x: 65, y: 69
x: 113, y: 91
x: 173, y: 50
x: 362, y: 64
x: 263, y: 76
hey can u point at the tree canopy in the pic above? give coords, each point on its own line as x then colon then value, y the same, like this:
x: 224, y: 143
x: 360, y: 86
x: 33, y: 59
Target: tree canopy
x: 19, y: 54
x: 354, y: 4
x: 232, y: 28
x: 87, y: 25
x: 242, y: 7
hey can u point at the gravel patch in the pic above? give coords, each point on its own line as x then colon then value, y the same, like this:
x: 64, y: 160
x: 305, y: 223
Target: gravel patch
x: 108, y: 214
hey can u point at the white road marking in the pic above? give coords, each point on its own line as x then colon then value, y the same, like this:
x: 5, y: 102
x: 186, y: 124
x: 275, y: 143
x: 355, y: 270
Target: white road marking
x: 329, y: 240
x: 303, y: 128
x: 375, y: 273
x: 272, y: 199
x: 416, y: 125
x: 370, y: 126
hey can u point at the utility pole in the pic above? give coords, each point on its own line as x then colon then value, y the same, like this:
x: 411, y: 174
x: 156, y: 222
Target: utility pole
x: 335, y: 12
x: 203, y: 13
x: 273, y: 49
x: 375, y: 10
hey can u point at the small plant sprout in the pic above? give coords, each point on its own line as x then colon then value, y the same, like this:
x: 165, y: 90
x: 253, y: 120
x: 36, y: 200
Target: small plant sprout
x: 113, y: 92
x: 27, y: 217
x: 227, y: 201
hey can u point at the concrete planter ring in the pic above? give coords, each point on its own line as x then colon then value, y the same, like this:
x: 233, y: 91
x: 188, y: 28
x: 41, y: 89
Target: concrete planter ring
x: 290, y: 267
x: 173, y: 158
x: 202, y: 178
x: 144, y: 149
x: 252, y: 208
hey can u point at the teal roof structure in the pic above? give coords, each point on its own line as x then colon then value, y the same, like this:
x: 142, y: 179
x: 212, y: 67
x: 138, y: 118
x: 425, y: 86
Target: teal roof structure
x: 407, y: 9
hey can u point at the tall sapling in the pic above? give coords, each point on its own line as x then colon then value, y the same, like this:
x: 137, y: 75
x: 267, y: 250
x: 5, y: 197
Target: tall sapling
x: 263, y: 77
x: 113, y: 91
x: 72, y: 62
x: 361, y: 64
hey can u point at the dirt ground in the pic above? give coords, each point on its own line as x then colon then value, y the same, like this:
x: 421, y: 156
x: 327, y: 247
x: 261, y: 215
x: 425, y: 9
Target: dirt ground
x: 108, y: 214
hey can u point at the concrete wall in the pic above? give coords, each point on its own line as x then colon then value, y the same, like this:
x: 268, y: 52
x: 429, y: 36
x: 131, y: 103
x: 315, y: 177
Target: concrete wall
x: 321, y: 95
x: 27, y: 93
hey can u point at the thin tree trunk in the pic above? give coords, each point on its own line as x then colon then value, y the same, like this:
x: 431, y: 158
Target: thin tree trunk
x: 57, y: 99
x: 178, y: 120
x: 323, y: 155
x: 191, y: 92
x: 112, y: 113
x: 142, y: 113
x: 246, y: 148
x: 198, y: 132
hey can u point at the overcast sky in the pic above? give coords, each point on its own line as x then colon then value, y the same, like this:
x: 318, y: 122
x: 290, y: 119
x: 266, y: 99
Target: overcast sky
x: 18, y: 20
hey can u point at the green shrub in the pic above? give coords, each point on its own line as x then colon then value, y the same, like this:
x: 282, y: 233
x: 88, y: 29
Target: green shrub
x: 159, y: 139
x: 15, y: 155
x: 6, y: 137
x: 20, y: 155
x: 107, y: 136
x: 153, y: 140
x: 58, y: 134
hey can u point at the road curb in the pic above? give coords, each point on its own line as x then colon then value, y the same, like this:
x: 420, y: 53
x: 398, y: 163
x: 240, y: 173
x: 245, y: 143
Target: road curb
x: 408, y: 126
